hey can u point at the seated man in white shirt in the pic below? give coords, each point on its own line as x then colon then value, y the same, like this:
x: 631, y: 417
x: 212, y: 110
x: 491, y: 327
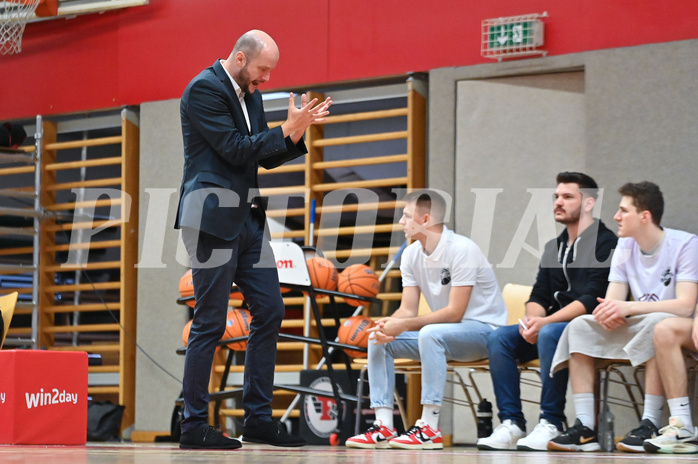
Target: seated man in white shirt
x: 466, y: 305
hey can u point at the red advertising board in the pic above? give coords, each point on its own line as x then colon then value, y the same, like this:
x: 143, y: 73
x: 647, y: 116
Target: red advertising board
x: 43, y: 397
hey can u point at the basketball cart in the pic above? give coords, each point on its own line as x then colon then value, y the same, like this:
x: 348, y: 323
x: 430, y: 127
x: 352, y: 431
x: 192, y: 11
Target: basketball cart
x: 295, y: 276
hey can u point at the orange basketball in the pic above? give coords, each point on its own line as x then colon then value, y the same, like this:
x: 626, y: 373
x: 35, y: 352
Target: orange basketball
x: 237, y: 325
x: 185, y: 332
x: 186, y: 288
x: 236, y: 294
x: 358, y: 279
x: 322, y: 272
x: 354, y: 332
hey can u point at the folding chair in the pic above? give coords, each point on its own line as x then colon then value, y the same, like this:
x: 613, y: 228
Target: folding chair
x: 515, y: 298
x: 604, y: 370
x: 692, y: 370
x: 294, y: 274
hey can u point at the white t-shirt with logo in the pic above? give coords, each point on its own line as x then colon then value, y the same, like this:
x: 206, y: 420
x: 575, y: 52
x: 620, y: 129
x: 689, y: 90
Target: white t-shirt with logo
x: 653, y: 277
x: 456, y: 262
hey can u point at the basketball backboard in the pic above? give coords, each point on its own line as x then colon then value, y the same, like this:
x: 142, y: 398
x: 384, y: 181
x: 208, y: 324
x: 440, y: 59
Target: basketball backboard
x: 15, y: 14
x: 71, y: 8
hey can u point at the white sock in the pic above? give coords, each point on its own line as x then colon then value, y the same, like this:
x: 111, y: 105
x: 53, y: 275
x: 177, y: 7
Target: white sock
x: 430, y: 415
x: 584, y: 407
x: 681, y: 407
x: 385, y: 415
x: 653, y: 409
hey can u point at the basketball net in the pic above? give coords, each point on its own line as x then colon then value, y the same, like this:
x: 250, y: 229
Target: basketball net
x: 13, y: 17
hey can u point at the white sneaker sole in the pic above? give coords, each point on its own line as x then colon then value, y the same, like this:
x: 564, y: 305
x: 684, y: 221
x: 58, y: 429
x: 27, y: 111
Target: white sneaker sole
x: 529, y: 444
x: 586, y: 447
x: 620, y: 446
x: 531, y: 448
x: 359, y: 445
x: 682, y: 448
x: 488, y: 447
x: 421, y: 446
x: 671, y: 448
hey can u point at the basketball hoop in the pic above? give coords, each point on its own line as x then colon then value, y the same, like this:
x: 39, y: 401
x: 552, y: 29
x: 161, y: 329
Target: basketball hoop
x: 14, y: 15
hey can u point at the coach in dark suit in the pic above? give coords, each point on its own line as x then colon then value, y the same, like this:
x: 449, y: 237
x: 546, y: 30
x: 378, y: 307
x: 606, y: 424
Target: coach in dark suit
x: 222, y: 220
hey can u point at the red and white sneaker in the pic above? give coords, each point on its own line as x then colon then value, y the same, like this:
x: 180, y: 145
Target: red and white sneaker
x: 376, y: 437
x: 419, y: 436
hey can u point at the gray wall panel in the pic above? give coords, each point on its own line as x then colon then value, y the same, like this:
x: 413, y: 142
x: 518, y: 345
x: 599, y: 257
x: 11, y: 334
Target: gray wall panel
x: 160, y: 318
x: 641, y: 124
x: 509, y: 132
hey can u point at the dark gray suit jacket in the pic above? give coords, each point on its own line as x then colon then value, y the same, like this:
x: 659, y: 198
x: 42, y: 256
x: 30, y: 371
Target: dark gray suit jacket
x: 221, y: 156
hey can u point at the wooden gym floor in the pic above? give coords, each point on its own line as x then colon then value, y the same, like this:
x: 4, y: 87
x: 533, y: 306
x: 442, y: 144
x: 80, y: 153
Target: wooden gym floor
x: 253, y: 454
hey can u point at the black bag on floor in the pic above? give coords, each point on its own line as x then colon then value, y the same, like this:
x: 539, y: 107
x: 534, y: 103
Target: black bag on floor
x: 104, y: 421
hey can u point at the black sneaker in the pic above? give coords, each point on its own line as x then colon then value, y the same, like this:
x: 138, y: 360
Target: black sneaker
x: 632, y: 443
x: 576, y: 438
x: 207, y: 437
x: 272, y: 433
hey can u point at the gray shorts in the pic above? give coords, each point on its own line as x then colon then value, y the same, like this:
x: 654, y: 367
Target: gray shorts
x: 632, y: 341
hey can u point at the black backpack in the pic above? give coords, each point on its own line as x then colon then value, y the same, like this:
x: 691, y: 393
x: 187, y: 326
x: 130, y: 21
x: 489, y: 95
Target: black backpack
x: 104, y: 421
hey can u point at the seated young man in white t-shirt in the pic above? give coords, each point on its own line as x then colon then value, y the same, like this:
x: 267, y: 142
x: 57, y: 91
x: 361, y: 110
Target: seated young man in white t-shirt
x: 466, y: 305
x: 660, y: 268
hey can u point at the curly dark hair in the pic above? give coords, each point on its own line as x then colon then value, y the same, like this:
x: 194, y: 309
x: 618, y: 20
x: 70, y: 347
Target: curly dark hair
x: 646, y: 197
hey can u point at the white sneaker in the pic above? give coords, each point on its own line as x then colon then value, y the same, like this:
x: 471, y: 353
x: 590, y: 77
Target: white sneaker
x: 376, y: 437
x: 539, y: 438
x: 674, y: 438
x: 420, y: 436
x: 504, y: 437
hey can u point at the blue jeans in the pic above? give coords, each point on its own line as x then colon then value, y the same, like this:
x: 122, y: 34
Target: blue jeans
x: 434, y: 345
x: 507, y: 350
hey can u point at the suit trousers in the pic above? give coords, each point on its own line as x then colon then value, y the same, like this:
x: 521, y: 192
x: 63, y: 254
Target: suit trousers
x: 248, y: 261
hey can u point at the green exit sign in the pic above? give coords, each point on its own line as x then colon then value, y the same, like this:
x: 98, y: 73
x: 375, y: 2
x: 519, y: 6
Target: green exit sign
x: 512, y: 35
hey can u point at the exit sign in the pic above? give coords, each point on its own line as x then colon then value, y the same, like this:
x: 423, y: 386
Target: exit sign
x: 514, y: 35
x: 511, y: 37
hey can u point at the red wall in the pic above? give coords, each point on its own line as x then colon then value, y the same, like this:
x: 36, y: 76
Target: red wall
x: 149, y: 53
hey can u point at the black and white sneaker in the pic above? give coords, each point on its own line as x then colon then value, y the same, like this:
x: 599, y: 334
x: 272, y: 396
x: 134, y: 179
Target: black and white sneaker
x: 576, y: 438
x: 632, y: 443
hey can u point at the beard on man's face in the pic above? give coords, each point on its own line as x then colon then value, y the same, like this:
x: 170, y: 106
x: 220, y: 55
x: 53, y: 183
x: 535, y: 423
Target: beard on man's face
x: 570, y: 218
